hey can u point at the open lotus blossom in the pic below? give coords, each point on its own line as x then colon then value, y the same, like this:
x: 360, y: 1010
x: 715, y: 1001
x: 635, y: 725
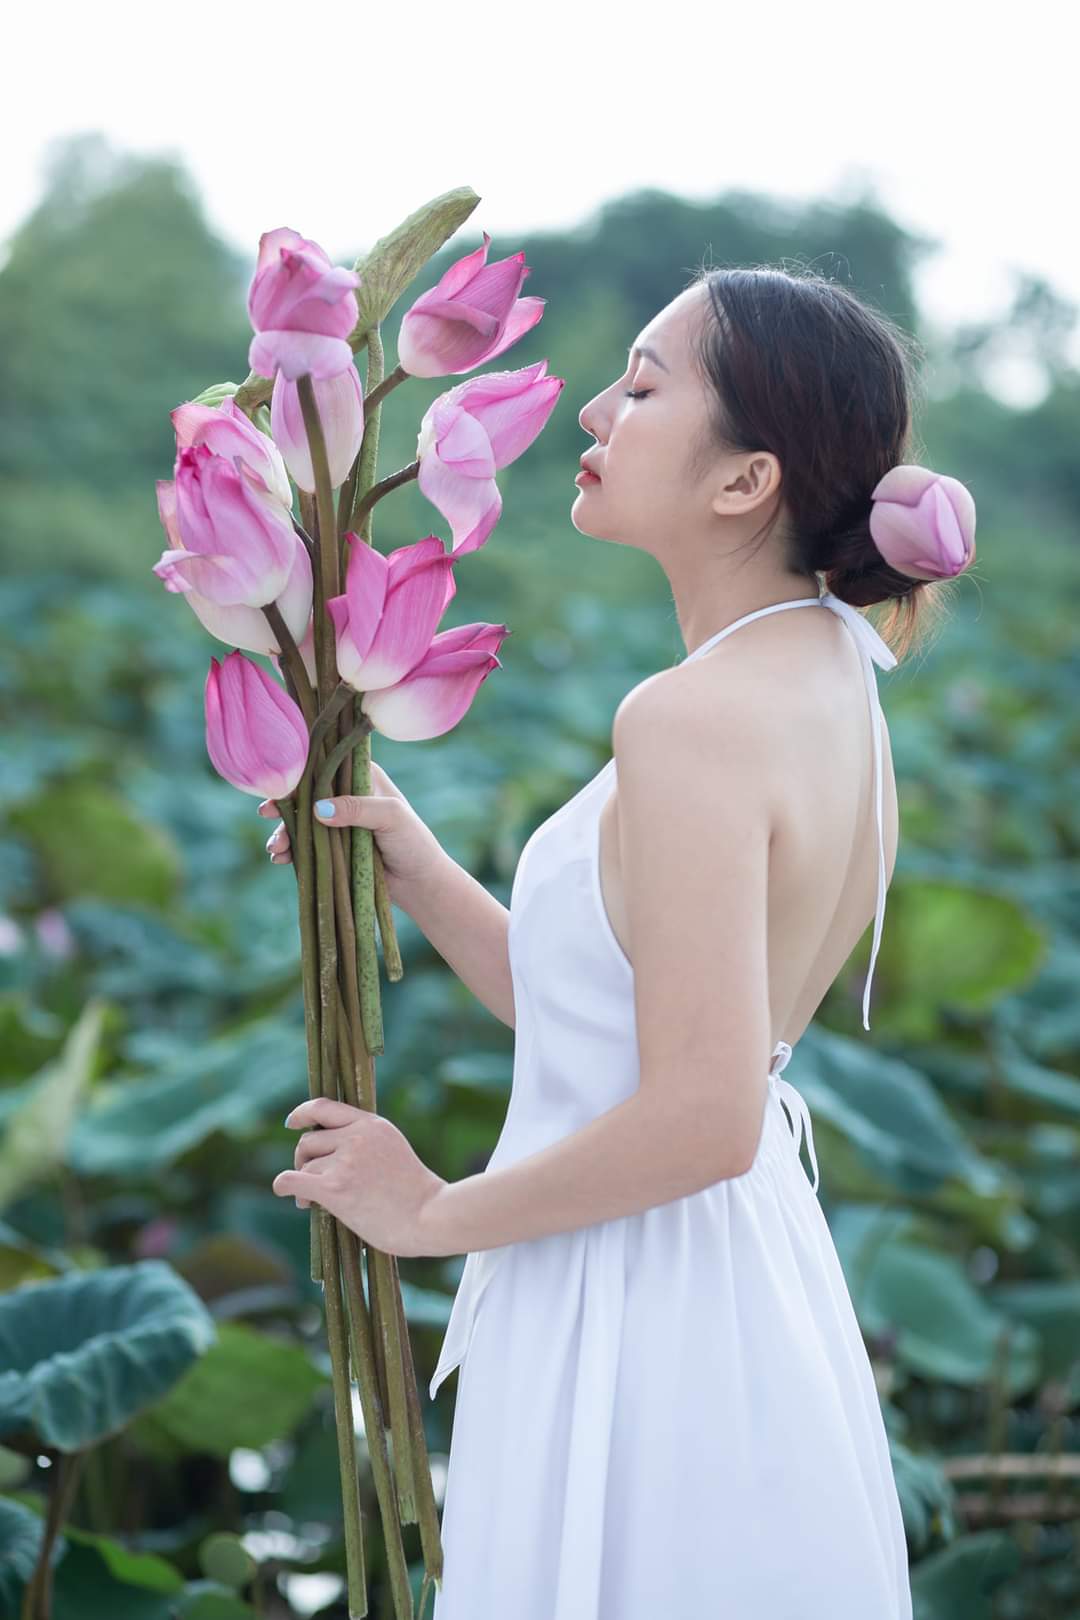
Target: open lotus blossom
x: 340, y: 402
x: 255, y: 734
x: 302, y: 308
x: 471, y: 315
x: 228, y: 431
x: 237, y: 623
x: 235, y: 541
x: 923, y: 522
x: 437, y: 691
x: 470, y: 432
x: 390, y: 609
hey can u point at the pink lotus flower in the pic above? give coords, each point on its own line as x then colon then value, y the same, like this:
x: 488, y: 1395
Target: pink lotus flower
x: 255, y: 734
x: 923, y: 522
x: 390, y: 609
x: 238, y: 624
x: 230, y: 432
x: 471, y: 314
x: 434, y: 695
x: 340, y: 402
x: 236, y: 540
x: 302, y: 307
x: 469, y: 433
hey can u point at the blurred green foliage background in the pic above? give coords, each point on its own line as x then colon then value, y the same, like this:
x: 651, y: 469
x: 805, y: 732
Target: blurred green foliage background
x: 150, y: 1007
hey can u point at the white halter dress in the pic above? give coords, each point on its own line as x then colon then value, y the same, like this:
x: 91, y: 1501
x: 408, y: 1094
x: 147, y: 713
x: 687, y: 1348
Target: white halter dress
x: 671, y: 1415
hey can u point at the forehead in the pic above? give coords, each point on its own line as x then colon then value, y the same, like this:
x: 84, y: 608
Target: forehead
x: 669, y: 331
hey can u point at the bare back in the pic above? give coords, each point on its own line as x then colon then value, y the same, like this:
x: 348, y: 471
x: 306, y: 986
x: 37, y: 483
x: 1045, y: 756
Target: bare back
x: 823, y: 858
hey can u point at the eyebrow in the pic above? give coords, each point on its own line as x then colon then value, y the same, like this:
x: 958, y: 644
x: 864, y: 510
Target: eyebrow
x: 650, y: 354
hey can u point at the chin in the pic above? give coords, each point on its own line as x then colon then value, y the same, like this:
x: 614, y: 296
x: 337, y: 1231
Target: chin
x: 594, y: 527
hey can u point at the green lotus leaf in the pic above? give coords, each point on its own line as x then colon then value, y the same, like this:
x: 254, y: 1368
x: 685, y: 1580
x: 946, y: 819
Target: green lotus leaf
x: 84, y: 1353
x: 247, y: 1390
x: 230, y: 1084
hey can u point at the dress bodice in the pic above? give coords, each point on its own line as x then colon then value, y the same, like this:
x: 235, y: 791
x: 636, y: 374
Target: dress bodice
x: 575, y: 1046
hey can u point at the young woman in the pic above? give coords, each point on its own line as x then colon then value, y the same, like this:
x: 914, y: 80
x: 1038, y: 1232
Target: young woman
x: 665, y: 1407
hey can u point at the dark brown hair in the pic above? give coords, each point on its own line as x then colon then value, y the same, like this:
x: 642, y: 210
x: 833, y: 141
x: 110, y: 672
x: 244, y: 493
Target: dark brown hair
x: 802, y: 367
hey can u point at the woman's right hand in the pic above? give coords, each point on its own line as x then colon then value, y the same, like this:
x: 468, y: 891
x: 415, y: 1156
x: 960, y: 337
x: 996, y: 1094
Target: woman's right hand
x: 408, y: 847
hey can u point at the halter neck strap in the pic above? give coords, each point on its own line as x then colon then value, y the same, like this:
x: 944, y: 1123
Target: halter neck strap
x: 873, y: 649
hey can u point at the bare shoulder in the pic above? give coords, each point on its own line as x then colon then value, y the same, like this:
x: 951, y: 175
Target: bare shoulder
x: 694, y: 728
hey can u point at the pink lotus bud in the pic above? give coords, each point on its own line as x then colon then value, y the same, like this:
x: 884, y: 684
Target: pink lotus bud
x: 54, y: 935
x: 434, y: 695
x: 302, y: 307
x: 471, y: 314
x: 923, y: 522
x: 390, y: 609
x: 228, y: 432
x: 237, y: 543
x: 471, y: 431
x: 156, y: 1238
x: 238, y: 624
x: 256, y: 735
x: 340, y: 403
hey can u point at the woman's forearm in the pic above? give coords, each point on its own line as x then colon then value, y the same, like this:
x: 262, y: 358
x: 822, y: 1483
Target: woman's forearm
x: 468, y: 928
x: 645, y: 1151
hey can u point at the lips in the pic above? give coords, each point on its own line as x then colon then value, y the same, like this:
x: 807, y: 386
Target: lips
x: 585, y: 467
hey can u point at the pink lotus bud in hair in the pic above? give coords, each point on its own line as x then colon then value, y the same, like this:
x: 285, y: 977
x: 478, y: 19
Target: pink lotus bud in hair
x: 340, y: 403
x: 437, y: 692
x: 256, y: 735
x: 472, y: 313
x: 923, y: 522
x: 469, y: 433
x: 302, y: 307
x: 390, y: 609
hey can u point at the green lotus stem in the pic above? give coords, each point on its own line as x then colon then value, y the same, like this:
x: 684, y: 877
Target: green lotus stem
x: 375, y: 1429
x: 385, y: 486
x: 298, y: 825
x: 305, y: 537
x: 379, y: 393
x: 358, y: 1091
x: 391, y: 1349
x: 37, y: 1594
x: 337, y: 754
x: 328, y: 715
x: 356, y: 1573
x: 384, y: 912
x: 324, y: 910
x: 428, y: 1511
x: 325, y: 576
x: 293, y: 660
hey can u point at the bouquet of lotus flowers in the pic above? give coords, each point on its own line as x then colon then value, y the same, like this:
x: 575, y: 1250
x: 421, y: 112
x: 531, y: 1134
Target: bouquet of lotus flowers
x: 352, y: 637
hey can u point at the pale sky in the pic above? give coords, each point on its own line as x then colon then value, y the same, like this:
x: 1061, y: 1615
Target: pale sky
x: 957, y: 117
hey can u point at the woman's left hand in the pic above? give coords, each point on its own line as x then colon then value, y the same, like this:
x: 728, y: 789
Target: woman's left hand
x: 361, y: 1169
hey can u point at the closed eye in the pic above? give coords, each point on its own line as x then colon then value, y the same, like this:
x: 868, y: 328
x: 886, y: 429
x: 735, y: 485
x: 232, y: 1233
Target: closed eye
x: 636, y: 393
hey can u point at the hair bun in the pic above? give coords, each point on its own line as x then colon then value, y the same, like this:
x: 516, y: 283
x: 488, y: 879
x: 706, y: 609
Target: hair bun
x: 923, y: 522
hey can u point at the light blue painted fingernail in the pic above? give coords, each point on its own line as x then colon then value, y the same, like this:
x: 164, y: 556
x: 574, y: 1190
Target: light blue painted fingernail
x: 324, y: 807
